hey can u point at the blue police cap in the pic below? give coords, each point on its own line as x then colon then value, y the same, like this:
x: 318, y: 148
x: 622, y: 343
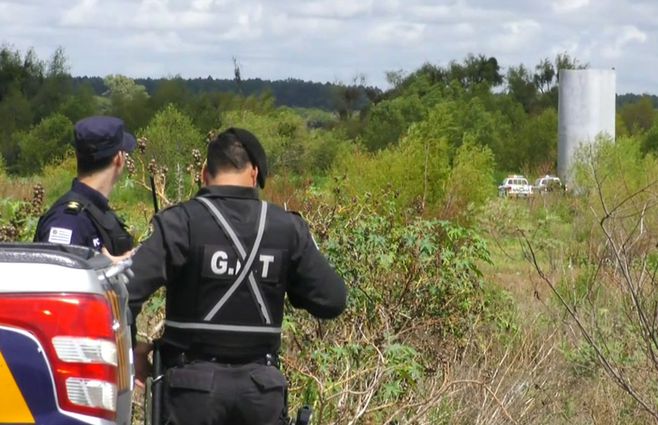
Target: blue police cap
x: 101, y: 137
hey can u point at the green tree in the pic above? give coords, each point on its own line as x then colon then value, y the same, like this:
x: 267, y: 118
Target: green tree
x: 135, y: 112
x: 650, y: 141
x: 390, y: 119
x: 545, y: 76
x: 171, y: 138
x: 283, y: 134
x: 56, y: 88
x: 480, y: 69
x: 46, y: 142
x: 122, y: 87
x: 81, y: 104
x: 170, y: 91
x: 15, y: 116
x: 521, y: 87
x: 25, y: 72
x: 205, y: 109
x: 537, y: 143
x: 639, y: 116
x: 470, y: 182
x: 129, y: 100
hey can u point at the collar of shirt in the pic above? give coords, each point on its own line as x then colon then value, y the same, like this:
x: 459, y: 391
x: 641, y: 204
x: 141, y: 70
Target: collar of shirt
x: 93, y: 195
x: 229, y: 192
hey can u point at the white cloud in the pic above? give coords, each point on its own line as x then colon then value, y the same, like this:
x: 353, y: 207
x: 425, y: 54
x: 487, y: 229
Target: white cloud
x: 397, y: 33
x: 283, y: 24
x: 515, y: 36
x: 623, y: 37
x: 17, y: 14
x: 334, y: 8
x: 80, y: 14
x: 464, y: 29
x: 563, y: 6
x: 322, y: 39
x: 160, y: 42
x: 157, y: 14
x: 386, y: 7
x: 431, y: 12
x: 202, y: 5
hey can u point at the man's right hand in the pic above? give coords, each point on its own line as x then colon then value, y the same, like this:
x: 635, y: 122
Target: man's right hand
x: 143, y: 366
x: 117, y: 258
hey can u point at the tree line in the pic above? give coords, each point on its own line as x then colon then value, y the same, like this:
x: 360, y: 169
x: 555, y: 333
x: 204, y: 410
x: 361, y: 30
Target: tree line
x: 289, y: 92
x: 511, y: 112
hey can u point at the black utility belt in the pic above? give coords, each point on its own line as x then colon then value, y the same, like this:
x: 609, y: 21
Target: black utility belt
x: 184, y: 358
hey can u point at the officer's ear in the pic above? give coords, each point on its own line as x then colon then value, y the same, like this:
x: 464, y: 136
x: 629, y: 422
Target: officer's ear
x: 119, y: 158
x: 254, y: 175
x: 205, y: 177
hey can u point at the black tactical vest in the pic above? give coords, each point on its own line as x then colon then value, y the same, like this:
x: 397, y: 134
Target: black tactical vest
x: 229, y: 300
x: 113, y: 231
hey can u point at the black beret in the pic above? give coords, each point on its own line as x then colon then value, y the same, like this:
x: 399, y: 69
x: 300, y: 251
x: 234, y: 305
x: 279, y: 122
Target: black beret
x: 254, y: 150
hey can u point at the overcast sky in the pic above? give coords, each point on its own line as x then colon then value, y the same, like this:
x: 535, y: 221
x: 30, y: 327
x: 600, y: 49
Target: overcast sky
x: 333, y: 40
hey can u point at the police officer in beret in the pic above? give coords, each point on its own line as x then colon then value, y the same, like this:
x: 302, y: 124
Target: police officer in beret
x: 228, y: 259
x: 83, y: 216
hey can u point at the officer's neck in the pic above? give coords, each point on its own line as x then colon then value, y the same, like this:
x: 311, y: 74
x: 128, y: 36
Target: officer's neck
x: 101, y: 182
x: 243, y: 179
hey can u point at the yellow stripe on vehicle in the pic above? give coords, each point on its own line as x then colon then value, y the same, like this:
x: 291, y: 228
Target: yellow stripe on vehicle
x: 123, y: 372
x: 13, y: 408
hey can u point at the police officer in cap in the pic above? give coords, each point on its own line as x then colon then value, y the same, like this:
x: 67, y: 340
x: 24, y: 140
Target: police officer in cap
x: 228, y: 259
x: 83, y: 216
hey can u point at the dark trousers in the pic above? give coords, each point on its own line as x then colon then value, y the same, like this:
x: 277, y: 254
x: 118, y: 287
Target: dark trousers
x: 217, y: 394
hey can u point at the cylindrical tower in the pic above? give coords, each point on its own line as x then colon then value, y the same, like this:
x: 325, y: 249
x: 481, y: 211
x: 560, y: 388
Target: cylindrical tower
x: 586, y: 110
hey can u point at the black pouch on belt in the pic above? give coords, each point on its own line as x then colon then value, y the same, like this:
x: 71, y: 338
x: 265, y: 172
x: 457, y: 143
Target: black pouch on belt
x: 190, y: 379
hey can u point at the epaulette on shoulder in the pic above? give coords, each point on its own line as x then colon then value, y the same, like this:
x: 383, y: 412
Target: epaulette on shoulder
x: 73, y: 207
x: 167, y: 208
x: 298, y: 214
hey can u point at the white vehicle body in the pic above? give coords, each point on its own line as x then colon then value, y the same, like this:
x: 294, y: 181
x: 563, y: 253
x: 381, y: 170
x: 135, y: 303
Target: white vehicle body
x: 515, y: 186
x: 547, y: 183
x: 65, y: 351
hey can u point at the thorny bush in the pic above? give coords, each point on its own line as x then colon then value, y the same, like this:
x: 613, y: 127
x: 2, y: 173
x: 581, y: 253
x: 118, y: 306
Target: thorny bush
x: 18, y: 219
x: 415, y: 292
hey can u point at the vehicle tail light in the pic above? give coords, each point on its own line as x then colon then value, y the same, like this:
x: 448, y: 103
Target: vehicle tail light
x: 85, y: 350
x: 92, y: 393
x: 77, y: 332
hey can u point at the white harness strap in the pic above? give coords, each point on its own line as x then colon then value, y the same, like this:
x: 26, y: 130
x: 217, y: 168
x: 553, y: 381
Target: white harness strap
x: 246, y: 270
x: 223, y: 328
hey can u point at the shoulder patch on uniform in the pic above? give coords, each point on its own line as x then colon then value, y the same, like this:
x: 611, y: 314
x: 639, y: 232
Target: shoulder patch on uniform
x: 73, y: 207
x: 60, y: 235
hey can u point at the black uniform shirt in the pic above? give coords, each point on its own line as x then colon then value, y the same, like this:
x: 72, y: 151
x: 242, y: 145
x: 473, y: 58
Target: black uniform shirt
x: 69, y: 226
x: 312, y: 284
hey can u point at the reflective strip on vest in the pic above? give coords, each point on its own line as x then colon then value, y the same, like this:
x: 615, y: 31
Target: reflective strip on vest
x: 223, y: 223
x: 226, y: 328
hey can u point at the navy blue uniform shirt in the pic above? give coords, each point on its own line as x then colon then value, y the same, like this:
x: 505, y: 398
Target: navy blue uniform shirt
x: 71, y: 227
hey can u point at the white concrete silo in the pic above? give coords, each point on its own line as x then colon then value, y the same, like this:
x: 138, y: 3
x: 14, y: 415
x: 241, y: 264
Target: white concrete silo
x: 586, y: 110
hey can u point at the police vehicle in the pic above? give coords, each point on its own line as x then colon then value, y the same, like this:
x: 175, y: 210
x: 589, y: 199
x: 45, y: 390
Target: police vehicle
x: 65, y: 355
x: 515, y: 186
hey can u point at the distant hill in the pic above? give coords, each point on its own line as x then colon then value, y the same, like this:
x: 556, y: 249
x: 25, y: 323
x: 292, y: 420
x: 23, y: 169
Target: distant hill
x: 623, y: 99
x: 290, y: 92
